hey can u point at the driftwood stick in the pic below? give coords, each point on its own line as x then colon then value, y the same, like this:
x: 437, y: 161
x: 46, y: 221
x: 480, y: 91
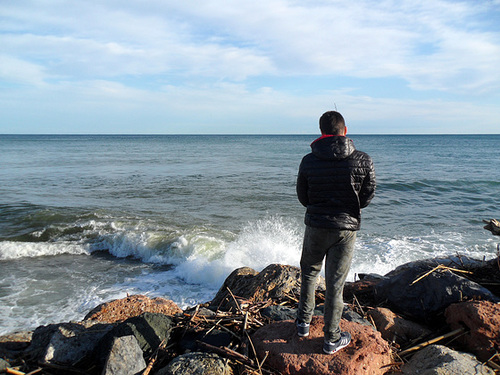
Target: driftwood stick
x: 10, y: 370
x: 437, y: 268
x: 432, y: 341
x: 492, y: 364
x: 235, y: 301
x: 245, y: 322
x: 152, y: 361
x: 259, y: 365
x: 226, y: 352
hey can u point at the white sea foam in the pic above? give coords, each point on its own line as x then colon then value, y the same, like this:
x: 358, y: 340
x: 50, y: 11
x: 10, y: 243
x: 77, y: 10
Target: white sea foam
x: 16, y: 250
x: 266, y: 241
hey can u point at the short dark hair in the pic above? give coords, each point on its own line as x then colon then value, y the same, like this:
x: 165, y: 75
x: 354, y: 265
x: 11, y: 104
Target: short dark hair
x: 332, y: 122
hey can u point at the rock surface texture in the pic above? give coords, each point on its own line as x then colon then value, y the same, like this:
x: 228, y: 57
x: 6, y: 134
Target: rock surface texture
x: 395, y: 328
x: 367, y: 353
x: 482, y: 320
x: 197, y: 364
x: 128, y: 307
x: 440, y: 360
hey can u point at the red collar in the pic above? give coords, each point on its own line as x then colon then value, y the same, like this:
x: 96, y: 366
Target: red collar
x: 326, y: 136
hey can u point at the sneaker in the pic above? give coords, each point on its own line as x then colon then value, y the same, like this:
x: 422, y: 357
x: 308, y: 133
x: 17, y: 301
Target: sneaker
x: 333, y: 347
x: 302, y: 329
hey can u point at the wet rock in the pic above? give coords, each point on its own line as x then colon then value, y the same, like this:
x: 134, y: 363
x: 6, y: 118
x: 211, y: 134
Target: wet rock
x: 65, y: 343
x: 197, y: 364
x: 440, y: 360
x: 125, y: 357
x: 128, y: 307
x: 427, y: 298
x: 288, y: 353
x: 395, y: 328
x: 482, y: 320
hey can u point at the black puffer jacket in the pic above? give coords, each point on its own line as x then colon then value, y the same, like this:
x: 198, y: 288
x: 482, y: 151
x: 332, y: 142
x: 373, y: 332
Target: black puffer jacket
x: 335, y: 182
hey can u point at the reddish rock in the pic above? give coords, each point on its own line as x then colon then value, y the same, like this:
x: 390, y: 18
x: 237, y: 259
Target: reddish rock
x: 128, y: 307
x: 482, y: 320
x: 367, y: 353
x: 395, y: 328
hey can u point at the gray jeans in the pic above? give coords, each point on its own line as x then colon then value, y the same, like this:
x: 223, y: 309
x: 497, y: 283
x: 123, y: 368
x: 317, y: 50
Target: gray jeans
x: 338, y: 247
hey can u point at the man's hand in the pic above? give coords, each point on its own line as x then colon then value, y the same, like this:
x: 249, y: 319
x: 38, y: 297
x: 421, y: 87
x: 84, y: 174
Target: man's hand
x: 493, y: 226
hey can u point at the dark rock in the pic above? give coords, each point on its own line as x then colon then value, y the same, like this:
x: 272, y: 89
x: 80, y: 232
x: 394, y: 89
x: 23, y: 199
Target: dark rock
x: 149, y: 329
x: 277, y: 313
x: 362, y: 291
x: 429, y: 296
x: 13, y: 344
x: 440, y: 360
x: 125, y: 357
x: 288, y: 353
x: 482, y: 320
x: 128, y: 307
x: 216, y: 337
x: 273, y: 282
x: 352, y: 316
x: 197, y: 364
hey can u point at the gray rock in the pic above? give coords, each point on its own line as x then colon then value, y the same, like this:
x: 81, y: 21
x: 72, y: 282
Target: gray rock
x: 3, y: 364
x: 441, y: 360
x: 353, y: 316
x: 429, y: 296
x: 66, y: 343
x: 125, y: 357
x: 197, y: 364
x: 149, y: 329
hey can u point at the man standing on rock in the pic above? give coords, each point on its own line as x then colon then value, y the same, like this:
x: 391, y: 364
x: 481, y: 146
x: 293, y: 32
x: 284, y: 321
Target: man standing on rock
x: 335, y: 181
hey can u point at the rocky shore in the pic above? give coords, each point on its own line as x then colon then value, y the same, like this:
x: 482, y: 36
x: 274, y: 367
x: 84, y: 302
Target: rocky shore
x: 435, y: 316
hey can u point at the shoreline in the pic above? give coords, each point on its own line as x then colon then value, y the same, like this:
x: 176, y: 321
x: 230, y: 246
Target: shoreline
x: 366, y: 297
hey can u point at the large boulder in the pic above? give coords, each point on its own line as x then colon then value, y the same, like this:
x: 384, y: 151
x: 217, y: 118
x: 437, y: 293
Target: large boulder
x: 288, y: 353
x: 395, y: 328
x: 65, y: 343
x: 440, y: 360
x: 149, y: 329
x: 428, y: 297
x: 130, y: 306
x: 482, y: 320
x: 273, y: 282
x: 197, y: 364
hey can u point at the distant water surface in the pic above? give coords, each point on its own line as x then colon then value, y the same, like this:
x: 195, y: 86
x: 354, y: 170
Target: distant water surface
x: 85, y: 219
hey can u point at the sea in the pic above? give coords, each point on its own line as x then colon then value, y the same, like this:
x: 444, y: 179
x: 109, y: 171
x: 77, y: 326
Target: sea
x: 85, y: 219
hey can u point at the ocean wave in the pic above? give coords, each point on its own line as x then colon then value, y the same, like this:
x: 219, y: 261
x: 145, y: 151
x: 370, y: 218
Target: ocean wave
x: 16, y: 250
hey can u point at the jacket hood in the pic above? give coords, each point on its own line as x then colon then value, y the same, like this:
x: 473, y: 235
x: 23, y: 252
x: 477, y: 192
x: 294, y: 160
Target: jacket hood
x: 332, y: 147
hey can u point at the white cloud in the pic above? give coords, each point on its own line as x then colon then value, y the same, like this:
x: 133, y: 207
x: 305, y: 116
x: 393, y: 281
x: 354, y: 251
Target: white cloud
x: 163, y: 58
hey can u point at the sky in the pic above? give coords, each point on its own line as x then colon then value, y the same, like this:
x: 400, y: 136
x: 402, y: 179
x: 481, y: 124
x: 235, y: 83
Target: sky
x: 249, y: 67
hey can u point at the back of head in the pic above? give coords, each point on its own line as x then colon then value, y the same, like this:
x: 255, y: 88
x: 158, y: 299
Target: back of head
x: 332, y: 122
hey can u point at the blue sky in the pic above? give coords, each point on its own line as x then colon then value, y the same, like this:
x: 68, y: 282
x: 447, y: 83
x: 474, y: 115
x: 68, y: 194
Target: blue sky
x: 246, y: 67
